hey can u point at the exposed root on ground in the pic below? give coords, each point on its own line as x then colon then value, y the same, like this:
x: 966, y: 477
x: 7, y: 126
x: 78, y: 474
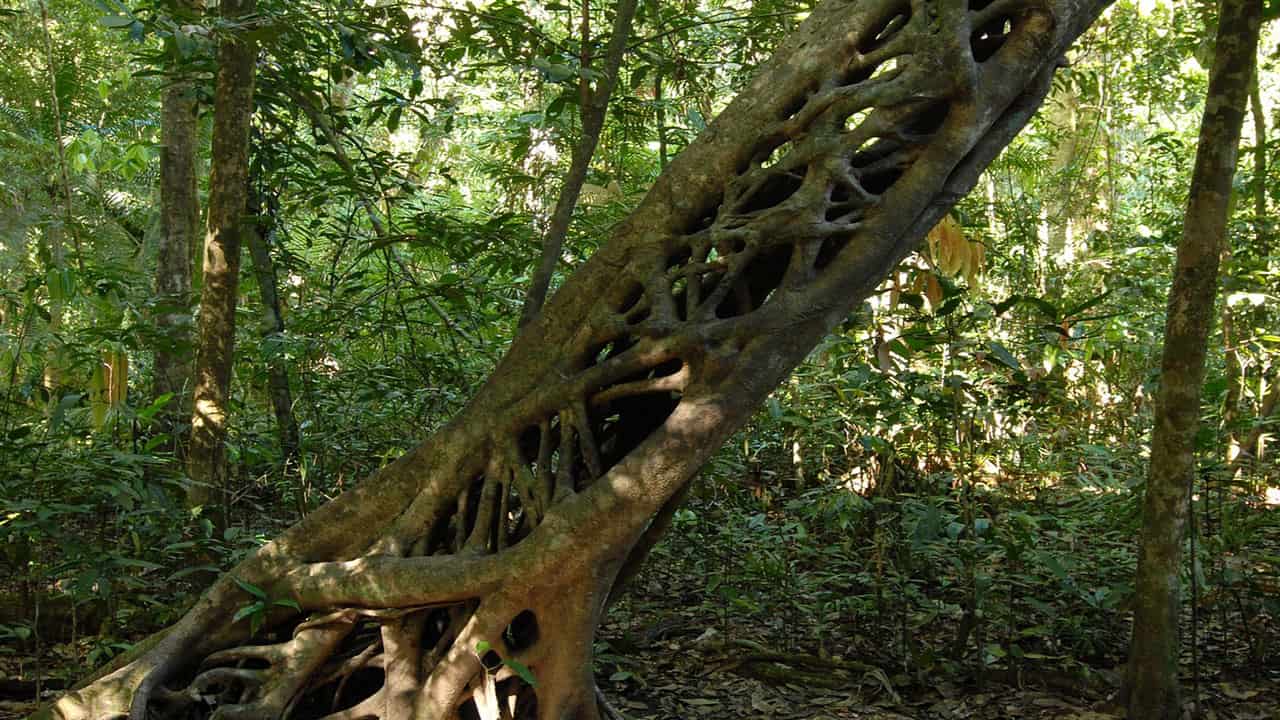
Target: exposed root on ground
x: 753, y: 660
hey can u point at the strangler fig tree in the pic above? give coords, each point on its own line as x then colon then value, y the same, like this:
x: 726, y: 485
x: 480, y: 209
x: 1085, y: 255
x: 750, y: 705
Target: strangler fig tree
x: 467, y: 578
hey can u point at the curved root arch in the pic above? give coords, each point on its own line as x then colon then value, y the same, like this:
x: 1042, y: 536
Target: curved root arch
x: 479, y: 595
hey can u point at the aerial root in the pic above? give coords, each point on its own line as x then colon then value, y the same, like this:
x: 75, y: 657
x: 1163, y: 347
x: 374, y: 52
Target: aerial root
x: 255, y: 693
x: 370, y: 707
x: 587, y: 444
x: 382, y: 582
x: 219, y: 679
x: 350, y: 615
x: 675, y: 382
x: 265, y: 653
x: 370, y: 657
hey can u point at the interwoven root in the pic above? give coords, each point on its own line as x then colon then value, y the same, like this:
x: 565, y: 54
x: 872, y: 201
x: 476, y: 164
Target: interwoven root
x: 467, y: 579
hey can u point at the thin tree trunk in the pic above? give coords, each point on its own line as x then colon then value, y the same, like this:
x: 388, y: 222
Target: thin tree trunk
x: 1232, y: 367
x: 56, y: 230
x: 661, y: 107
x: 180, y: 226
x: 55, y: 265
x: 56, y: 104
x: 1235, y: 374
x: 264, y: 270
x: 584, y: 61
x: 508, y: 527
x: 593, y: 115
x: 1152, y: 679
x: 228, y: 190
x: 1259, y: 115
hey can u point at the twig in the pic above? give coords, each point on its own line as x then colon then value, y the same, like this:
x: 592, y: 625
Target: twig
x: 607, y: 710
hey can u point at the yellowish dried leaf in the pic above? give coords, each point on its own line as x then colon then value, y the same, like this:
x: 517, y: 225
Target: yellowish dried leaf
x: 977, y: 259
x: 933, y: 290
x: 949, y: 246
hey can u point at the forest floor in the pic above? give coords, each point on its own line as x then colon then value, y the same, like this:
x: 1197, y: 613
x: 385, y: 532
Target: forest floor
x: 756, y: 608
x: 686, y: 662
x: 673, y: 650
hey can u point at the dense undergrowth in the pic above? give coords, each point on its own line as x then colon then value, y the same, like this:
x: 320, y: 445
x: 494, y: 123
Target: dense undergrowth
x: 934, y: 573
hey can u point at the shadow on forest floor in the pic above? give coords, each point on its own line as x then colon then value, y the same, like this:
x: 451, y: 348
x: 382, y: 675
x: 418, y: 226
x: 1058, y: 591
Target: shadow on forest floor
x: 702, y: 635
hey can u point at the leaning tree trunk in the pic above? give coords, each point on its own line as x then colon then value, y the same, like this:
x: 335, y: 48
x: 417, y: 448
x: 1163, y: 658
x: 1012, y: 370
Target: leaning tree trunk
x: 493, y: 545
x: 1151, y: 682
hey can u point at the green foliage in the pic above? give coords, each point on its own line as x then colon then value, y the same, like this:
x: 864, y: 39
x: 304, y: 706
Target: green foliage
x: 256, y: 610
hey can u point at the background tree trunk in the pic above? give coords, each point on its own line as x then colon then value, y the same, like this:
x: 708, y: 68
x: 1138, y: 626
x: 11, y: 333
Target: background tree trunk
x: 180, y: 223
x: 56, y: 230
x: 228, y: 190
x: 594, y: 106
x: 1259, y: 114
x: 54, y: 252
x: 495, y: 543
x: 264, y: 270
x: 1152, y: 679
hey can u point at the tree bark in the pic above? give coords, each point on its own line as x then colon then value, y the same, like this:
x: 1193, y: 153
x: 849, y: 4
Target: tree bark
x: 1235, y: 371
x: 180, y: 223
x: 661, y: 119
x: 1259, y: 115
x: 264, y: 270
x: 594, y: 107
x: 1151, y: 683
x: 228, y: 190
x: 498, y: 539
x: 54, y: 251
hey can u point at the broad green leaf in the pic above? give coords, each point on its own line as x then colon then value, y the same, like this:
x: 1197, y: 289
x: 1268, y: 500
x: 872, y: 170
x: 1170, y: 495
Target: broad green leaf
x: 250, y: 588
x: 1001, y: 353
x: 523, y: 671
x: 192, y: 570
x: 247, y: 610
x: 134, y: 562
